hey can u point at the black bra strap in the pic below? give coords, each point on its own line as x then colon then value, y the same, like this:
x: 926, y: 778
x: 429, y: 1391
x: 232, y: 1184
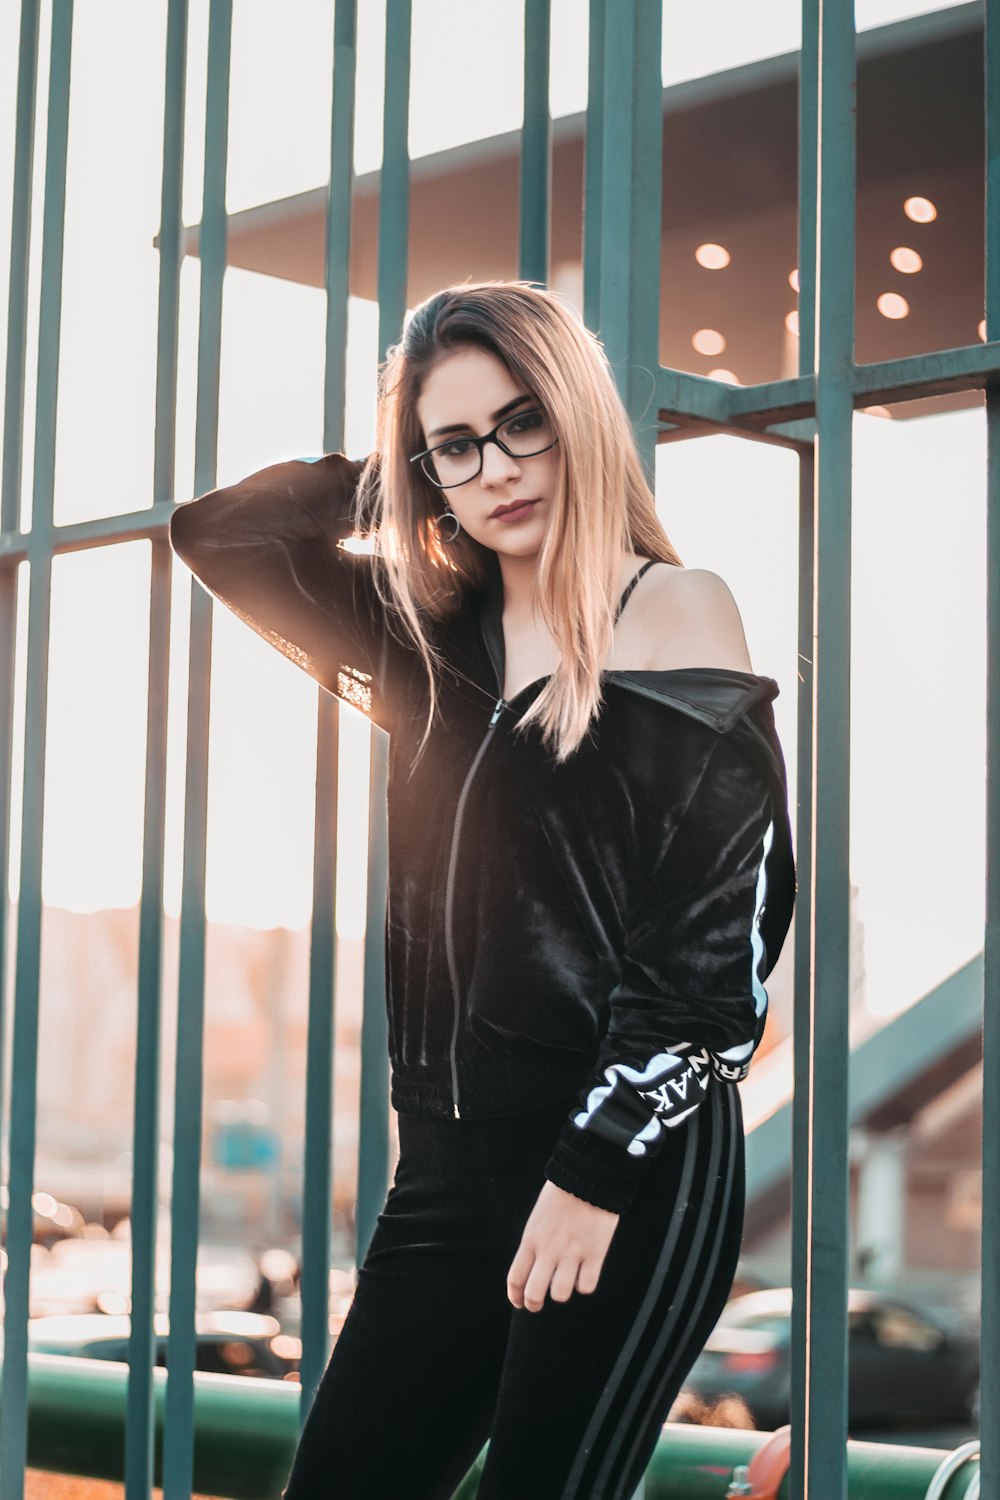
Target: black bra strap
x: 631, y: 585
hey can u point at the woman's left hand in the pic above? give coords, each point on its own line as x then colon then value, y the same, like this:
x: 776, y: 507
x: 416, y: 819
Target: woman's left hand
x: 562, y: 1249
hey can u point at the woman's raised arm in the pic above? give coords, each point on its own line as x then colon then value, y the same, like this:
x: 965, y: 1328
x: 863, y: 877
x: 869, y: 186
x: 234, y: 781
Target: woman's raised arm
x: 269, y: 548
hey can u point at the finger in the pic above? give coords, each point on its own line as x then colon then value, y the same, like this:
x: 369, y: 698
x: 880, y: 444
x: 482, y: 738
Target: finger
x: 517, y: 1276
x: 589, y: 1275
x: 537, y: 1285
x: 564, y: 1279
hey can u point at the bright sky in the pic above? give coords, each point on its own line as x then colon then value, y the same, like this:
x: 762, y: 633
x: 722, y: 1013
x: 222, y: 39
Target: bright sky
x: 919, y: 587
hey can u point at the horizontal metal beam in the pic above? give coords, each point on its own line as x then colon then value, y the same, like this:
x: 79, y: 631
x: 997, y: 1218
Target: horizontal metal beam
x: 132, y: 526
x: 968, y: 369
x: 686, y: 399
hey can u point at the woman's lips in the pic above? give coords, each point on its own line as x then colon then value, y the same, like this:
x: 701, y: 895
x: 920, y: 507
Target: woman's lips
x: 517, y: 513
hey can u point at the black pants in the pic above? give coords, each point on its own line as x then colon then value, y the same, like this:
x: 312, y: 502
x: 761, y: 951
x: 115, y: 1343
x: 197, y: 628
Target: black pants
x: 433, y: 1359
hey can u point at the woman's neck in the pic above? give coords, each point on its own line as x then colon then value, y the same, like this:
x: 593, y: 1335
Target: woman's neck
x: 518, y: 574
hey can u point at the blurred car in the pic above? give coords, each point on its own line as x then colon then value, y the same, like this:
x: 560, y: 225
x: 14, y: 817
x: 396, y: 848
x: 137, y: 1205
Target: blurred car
x: 234, y: 1343
x: 906, y: 1363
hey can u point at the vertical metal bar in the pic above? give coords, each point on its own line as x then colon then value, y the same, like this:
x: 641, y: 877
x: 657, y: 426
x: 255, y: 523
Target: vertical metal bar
x: 178, y: 1448
x: 536, y: 140
x: 808, y: 183
x: 825, y: 1435
x: 13, y: 453
x: 338, y: 220
x: 802, y: 1062
x: 393, y: 264
x: 374, y: 1139
x: 317, y: 1176
x: 140, y: 1420
x: 631, y: 210
x: 316, y: 1208
x: 24, y: 1061
x: 593, y: 169
x: 989, y: 1424
x: 394, y: 182
x: 808, y: 186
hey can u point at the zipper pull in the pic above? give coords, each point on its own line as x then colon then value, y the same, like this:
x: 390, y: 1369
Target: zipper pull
x: 500, y: 705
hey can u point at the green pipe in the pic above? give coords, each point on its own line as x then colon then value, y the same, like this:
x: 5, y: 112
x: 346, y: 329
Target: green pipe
x: 245, y: 1433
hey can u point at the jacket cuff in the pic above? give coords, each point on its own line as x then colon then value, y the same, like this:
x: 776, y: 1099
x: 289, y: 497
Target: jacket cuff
x: 595, y: 1170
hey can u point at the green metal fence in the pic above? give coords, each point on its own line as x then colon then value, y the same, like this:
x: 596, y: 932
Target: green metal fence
x: 811, y: 413
x: 77, y: 1414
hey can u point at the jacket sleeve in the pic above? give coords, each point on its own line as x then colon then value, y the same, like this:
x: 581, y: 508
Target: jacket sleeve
x: 269, y: 548
x: 690, y: 1005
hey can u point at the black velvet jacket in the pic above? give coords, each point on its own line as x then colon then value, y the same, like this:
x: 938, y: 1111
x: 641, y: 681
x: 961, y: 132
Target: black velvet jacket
x: 600, y: 928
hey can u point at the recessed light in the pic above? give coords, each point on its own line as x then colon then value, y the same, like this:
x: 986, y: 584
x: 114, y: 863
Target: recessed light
x: 906, y: 260
x: 712, y: 257
x: 892, y: 305
x: 920, y: 210
x: 793, y: 279
x: 982, y: 330
x: 792, y: 322
x: 708, y: 341
x: 726, y: 375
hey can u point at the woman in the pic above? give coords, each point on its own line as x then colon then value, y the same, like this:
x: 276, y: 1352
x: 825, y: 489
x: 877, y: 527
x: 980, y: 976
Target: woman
x: 587, y: 808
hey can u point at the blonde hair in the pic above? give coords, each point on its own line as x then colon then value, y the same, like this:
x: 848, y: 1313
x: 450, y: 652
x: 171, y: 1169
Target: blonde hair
x: 602, y: 505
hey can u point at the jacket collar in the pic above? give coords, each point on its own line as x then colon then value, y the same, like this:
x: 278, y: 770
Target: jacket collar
x: 718, y: 696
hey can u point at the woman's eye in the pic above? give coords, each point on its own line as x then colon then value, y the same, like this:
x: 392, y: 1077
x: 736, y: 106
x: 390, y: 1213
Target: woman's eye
x: 457, y: 449
x: 525, y: 423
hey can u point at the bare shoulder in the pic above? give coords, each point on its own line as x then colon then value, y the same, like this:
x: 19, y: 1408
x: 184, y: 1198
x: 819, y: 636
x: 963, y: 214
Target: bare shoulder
x: 690, y: 619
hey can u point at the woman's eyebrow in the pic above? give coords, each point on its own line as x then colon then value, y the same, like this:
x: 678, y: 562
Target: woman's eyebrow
x: 497, y: 416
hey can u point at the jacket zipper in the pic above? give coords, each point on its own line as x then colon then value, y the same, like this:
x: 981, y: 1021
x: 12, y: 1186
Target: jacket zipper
x: 449, y: 894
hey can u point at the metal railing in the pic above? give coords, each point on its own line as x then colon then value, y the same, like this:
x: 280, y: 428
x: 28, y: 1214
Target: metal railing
x: 811, y: 413
x: 77, y: 1426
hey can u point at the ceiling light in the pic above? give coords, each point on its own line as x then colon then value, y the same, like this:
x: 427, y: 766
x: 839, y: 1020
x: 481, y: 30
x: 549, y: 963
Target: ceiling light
x: 793, y: 279
x: 708, y: 341
x: 982, y: 330
x: 712, y: 257
x: 726, y: 375
x: 906, y: 260
x: 920, y: 210
x: 792, y: 323
x: 892, y: 305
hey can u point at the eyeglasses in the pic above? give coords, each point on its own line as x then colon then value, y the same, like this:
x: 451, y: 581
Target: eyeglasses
x: 461, y: 458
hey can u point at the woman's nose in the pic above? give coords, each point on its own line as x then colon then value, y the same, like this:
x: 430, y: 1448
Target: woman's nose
x: 498, y: 466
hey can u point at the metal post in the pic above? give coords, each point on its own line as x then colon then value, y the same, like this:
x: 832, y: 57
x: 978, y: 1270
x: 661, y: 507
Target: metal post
x: 24, y: 1061
x: 140, y: 1426
x: 990, y: 1308
x: 536, y: 132
x: 185, y: 1216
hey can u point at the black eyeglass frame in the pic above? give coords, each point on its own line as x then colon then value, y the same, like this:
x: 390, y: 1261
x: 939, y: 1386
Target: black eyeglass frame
x: 480, y: 442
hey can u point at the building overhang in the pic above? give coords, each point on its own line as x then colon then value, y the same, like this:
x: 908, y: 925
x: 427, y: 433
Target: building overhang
x: 730, y: 177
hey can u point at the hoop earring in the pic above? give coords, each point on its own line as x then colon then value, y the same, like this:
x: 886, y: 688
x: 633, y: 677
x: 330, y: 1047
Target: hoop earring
x: 446, y: 516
